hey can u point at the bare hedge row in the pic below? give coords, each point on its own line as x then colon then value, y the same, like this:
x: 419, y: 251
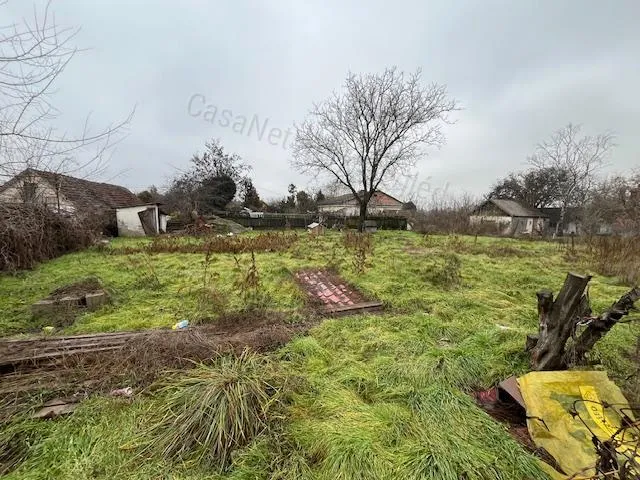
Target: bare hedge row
x: 30, y: 234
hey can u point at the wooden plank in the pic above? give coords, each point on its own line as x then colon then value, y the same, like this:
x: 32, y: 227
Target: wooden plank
x: 76, y: 337
x: 358, y: 306
x: 44, y: 356
x: 69, y: 348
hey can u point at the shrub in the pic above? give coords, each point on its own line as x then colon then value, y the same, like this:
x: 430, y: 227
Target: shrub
x: 204, y: 415
x: 447, y: 275
x: 30, y: 234
x: 361, y: 244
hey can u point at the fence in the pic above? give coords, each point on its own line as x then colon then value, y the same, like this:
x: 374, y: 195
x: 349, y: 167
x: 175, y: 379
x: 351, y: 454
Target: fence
x: 276, y: 221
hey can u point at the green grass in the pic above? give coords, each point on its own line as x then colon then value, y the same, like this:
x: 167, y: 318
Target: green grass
x: 385, y: 396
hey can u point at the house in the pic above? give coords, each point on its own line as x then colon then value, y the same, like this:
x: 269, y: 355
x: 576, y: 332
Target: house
x: 572, y: 224
x: 509, y: 217
x: 82, y: 198
x: 347, y: 205
x: 65, y: 194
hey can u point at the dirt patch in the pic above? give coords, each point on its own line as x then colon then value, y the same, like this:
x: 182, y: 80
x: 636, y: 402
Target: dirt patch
x: 87, y: 285
x: 329, y: 293
x: 513, y: 416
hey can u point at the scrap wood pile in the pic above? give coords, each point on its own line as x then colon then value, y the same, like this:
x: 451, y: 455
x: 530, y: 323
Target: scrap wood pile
x: 84, y: 364
x: 578, y: 422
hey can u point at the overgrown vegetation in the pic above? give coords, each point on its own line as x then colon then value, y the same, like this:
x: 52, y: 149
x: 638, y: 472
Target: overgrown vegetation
x: 385, y: 395
x: 30, y: 234
x: 249, y: 286
x: 264, y: 242
x: 361, y: 246
x: 616, y: 256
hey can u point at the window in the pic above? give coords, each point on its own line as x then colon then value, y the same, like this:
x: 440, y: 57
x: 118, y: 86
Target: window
x: 29, y: 191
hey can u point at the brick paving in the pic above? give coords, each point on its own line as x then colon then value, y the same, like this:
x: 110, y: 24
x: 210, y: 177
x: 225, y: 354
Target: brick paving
x: 333, y: 294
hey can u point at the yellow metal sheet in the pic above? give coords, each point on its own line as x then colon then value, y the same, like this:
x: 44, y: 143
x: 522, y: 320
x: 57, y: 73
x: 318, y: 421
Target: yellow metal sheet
x: 551, y: 396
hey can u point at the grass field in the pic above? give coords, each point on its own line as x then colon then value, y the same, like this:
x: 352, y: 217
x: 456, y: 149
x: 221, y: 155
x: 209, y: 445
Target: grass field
x: 384, y: 396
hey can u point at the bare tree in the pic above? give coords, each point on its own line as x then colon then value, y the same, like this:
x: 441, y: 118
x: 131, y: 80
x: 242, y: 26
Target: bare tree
x: 33, y: 54
x: 578, y: 157
x: 615, y: 201
x: 373, y: 130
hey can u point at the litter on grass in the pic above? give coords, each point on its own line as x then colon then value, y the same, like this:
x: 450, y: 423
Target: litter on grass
x: 578, y: 423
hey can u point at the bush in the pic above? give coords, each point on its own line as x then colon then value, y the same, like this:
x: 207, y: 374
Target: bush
x: 616, y: 256
x: 30, y: 234
x: 207, y: 413
x: 447, y: 275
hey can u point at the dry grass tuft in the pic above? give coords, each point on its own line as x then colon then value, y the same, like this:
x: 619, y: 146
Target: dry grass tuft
x: 204, y: 415
x: 264, y: 242
x: 617, y: 256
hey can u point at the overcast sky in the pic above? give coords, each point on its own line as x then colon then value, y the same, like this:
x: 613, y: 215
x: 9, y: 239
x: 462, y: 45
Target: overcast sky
x: 520, y: 70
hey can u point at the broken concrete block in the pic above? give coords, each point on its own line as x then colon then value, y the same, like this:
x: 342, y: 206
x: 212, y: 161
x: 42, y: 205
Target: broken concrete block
x: 95, y: 300
x: 42, y: 307
x: 55, y: 306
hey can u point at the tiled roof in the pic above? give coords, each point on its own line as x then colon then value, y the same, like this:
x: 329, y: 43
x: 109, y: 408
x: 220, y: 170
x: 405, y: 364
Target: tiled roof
x: 84, y: 194
x: 513, y: 208
x: 379, y: 198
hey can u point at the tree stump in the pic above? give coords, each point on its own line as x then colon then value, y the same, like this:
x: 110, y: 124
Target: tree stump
x: 559, y: 319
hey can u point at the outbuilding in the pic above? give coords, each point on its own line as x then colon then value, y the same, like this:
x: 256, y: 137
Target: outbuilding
x: 141, y: 220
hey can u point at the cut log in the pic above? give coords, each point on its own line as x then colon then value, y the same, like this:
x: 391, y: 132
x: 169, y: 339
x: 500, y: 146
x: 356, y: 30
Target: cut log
x: 557, y: 320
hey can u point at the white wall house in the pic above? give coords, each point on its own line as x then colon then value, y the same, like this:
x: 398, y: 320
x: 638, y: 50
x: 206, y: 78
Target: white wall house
x: 347, y: 205
x: 509, y: 217
x: 141, y: 220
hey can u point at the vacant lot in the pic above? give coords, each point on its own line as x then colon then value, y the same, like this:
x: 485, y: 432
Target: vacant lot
x: 381, y: 396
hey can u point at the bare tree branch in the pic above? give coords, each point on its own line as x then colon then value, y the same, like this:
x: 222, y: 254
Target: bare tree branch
x: 580, y: 158
x: 373, y: 130
x: 33, y: 54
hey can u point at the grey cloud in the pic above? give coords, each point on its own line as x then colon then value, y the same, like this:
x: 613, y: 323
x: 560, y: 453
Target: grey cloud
x: 520, y: 69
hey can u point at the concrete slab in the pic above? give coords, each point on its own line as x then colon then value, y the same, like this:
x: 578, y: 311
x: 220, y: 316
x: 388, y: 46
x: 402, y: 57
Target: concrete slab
x: 95, y: 300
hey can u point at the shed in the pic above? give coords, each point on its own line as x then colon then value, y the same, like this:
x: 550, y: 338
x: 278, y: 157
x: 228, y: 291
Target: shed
x: 509, y: 217
x: 315, y: 228
x: 141, y: 220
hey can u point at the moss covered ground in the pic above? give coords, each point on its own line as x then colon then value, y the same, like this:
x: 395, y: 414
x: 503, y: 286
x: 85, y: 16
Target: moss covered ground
x: 385, y: 396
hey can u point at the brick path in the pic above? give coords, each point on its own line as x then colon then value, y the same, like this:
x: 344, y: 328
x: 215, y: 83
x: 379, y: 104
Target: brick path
x: 332, y: 293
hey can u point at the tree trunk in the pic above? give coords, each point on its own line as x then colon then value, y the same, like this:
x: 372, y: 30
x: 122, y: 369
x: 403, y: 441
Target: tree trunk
x: 557, y: 320
x: 599, y: 326
x: 363, y: 216
x: 560, y: 223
